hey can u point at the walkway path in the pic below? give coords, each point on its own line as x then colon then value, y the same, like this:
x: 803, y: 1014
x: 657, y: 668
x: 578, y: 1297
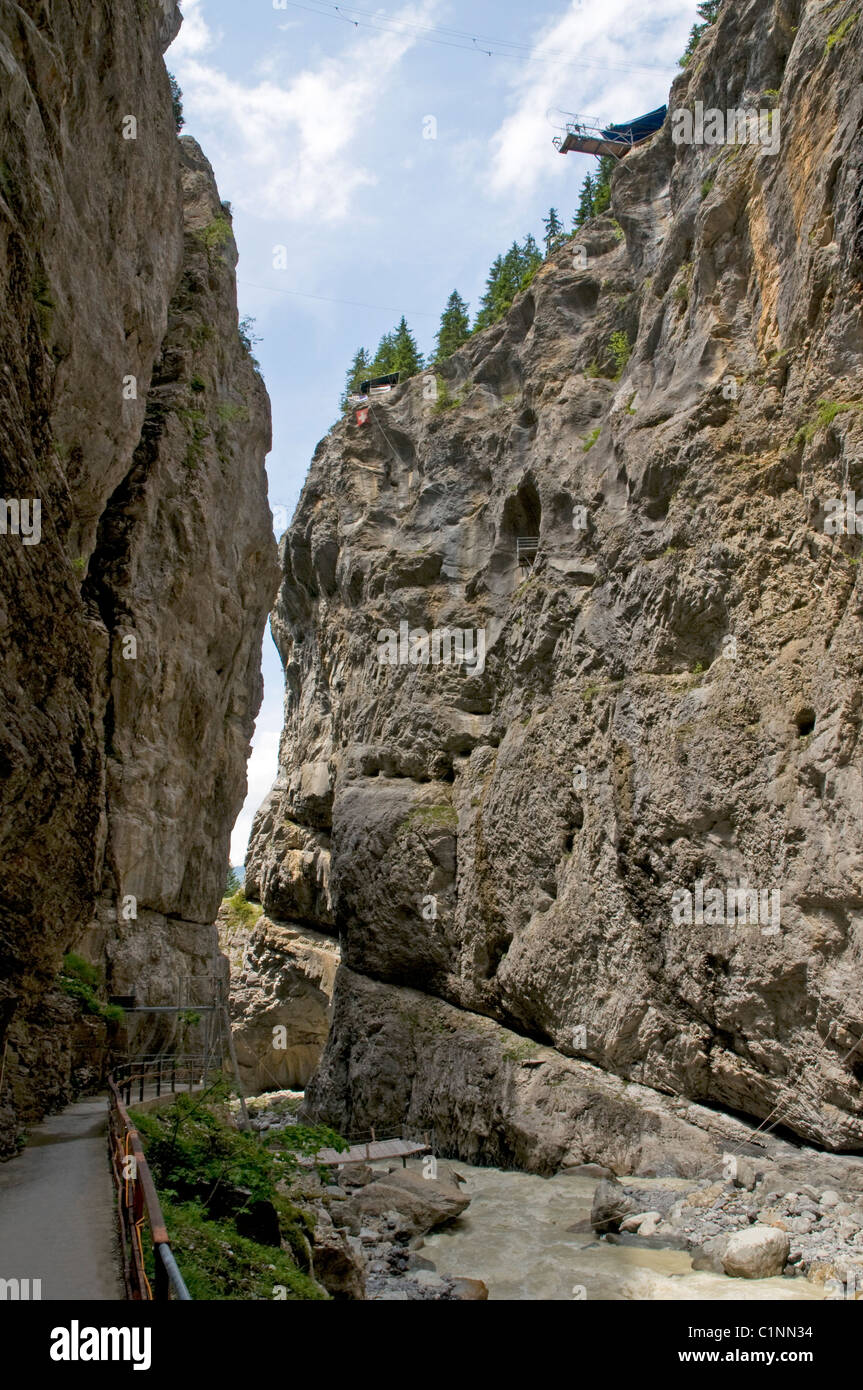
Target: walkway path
x: 58, y: 1205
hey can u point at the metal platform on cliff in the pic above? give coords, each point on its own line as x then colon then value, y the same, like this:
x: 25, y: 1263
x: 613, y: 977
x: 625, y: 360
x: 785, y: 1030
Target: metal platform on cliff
x: 584, y: 135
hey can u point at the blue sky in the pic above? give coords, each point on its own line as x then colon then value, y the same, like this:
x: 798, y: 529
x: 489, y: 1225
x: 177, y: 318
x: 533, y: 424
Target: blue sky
x: 316, y: 121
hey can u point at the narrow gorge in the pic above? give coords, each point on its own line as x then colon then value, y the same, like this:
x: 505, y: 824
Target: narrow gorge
x: 559, y: 885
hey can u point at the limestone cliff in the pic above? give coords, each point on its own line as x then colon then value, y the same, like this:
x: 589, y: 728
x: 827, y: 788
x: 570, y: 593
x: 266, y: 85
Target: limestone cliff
x: 670, y: 692
x: 133, y: 413
x: 281, y: 990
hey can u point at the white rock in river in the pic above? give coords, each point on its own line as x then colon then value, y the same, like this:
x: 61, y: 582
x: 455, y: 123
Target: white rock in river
x: 644, y: 1222
x: 757, y: 1253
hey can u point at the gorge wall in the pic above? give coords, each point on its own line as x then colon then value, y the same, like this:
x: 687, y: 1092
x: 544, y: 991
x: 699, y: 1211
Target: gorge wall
x: 134, y: 415
x: 670, y: 692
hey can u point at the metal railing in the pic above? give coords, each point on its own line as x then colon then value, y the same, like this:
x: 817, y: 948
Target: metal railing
x: 137, y: 1200
x: 526, y: 548
x: 164, y: 1073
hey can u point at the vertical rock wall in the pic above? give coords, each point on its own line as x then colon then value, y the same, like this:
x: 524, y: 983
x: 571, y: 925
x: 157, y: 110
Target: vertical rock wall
x: 669, y: 694
x: 131, y: 632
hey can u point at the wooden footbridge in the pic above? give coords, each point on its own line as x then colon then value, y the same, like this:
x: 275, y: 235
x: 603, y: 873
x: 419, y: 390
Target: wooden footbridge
x: 369, y: 1150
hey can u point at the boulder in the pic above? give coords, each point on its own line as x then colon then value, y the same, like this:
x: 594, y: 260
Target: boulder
x: 419, y: 1204
x: 357, y: 1175
x: 643, y: 1222
x: 758, y: 1253
x: 337, y: 1265
x: 710, y: 1254
x: 610, y: 1206
x: 745, y: 1174
x: 468, y: 1289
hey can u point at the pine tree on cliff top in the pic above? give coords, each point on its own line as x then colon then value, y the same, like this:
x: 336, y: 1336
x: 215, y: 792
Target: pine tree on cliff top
x: 382, y: 364
x: 407, y: 358
x: 554, y: 231
x: 708, y: 11
x: 454, y: 327
x: 585, y: 206
x: 508, y: 275
x: 358, y: 371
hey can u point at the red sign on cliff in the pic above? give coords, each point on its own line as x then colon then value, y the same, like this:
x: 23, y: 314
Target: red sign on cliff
x: 362, y: 415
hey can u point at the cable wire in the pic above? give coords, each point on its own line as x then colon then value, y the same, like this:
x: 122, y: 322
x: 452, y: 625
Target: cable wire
x: 476, y: 43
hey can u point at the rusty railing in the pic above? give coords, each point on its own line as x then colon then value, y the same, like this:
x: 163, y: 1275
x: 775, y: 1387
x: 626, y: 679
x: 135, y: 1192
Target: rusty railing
x: 137, y: 1200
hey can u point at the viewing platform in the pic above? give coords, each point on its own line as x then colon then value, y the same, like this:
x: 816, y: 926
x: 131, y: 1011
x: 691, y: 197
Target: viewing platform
x: 586, y: 136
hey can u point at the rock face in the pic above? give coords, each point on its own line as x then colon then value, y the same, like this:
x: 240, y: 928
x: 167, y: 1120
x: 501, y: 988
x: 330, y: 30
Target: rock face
x: 281, y: 992
x: 668, y: 696
x: 134, y: 415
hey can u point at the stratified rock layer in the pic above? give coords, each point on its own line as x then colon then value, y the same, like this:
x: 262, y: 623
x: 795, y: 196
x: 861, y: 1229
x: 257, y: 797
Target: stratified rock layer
x: 131, y: 632
x: 670, y: 694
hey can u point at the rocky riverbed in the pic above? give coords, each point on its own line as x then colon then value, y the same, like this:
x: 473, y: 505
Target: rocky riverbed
x: 529, y: 1238
x: 786, y: 1227
x: 801, y: 1221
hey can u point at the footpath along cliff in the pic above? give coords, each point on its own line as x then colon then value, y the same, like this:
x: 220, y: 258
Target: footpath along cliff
x: 517, y: 853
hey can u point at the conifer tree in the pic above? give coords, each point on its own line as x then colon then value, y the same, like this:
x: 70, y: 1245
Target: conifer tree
x: 554, y: 231
x: 585, y: 206
x: 508, y: 275
x: 531, y: 260
x: 358, y: 371
x: 708, y: 11
x: 177, y: 102
x: 454, y: 327
x: 382, y: 364
x: 602, y: 187
x: 487, y: 304
x: 407, y: 359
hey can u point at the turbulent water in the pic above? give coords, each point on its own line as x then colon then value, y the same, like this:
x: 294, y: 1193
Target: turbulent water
x: 522, y: 1235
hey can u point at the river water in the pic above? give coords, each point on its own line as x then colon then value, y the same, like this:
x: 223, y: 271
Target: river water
x: 517, y: 1236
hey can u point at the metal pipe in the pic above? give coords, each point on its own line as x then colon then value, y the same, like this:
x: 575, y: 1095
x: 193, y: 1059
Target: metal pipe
x: 166, y: 1258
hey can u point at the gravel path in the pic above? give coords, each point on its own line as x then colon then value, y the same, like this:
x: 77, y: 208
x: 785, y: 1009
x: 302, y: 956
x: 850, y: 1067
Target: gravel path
x: 57, y: 1208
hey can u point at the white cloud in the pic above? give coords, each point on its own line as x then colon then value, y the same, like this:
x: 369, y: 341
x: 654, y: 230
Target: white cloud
x: 294, y: 150
x: 194, y: 36
x: 614, y: 33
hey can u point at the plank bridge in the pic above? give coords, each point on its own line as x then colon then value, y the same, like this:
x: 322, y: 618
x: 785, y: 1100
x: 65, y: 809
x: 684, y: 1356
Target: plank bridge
x: 368, y: 1151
